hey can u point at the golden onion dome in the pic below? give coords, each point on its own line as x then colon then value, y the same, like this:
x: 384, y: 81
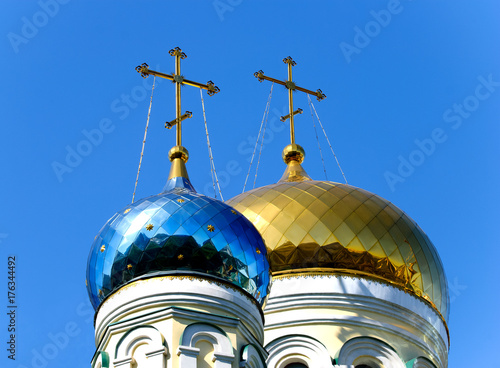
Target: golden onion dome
x: 321, y: 226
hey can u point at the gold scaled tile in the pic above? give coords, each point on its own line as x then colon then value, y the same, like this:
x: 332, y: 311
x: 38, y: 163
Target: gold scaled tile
x: 355, y: 223
x: 316, y: 224
x: 271, y: 235
x: 269, y: 195
x: 313, y: 190
x: 295, y: 234
x: 368, y: 239
x: 305, y: 198
x: 377, y: 251
x: 355, y: 245
x: 344, y: 234
x: 270, y: 212
x: 377, y: 228
x: 320, y: 233
x: 331, y: 220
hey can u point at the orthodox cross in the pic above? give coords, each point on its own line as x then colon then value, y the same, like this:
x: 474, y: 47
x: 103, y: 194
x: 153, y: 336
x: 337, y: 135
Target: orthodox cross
x: 179, y: 80
x: 291, y: 86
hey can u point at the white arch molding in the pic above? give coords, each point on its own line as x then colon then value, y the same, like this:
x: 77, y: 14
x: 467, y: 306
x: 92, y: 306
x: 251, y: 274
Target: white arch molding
x: 297, y: 349
x: 147, y: 340
x: 369, y: 351
x: 223, y: 356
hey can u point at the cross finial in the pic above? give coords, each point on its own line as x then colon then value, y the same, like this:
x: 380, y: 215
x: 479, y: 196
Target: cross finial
x: 290, y: 85
x: 179, y: 80
x: 178, y: 54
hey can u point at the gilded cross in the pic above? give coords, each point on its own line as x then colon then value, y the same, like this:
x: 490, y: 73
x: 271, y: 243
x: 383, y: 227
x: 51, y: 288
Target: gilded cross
x: 291, y: 86
x: 179, y: 80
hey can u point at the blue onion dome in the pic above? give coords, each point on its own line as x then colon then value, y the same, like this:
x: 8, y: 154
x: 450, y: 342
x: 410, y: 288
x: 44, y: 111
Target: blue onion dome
x: 177, y: 231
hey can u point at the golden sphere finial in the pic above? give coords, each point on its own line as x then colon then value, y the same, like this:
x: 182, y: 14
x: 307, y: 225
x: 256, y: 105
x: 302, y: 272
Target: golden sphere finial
x: 293, y: 152
x: 178, y: 152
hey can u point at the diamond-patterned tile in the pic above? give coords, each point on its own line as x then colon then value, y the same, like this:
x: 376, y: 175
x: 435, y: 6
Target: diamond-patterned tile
x: 352, y: 228
x: 178, y: 229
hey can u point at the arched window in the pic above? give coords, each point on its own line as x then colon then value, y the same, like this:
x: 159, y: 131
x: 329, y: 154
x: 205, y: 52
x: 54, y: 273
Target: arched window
x: 204, y: 359
x: 203, y: 344
x: 141, y: 345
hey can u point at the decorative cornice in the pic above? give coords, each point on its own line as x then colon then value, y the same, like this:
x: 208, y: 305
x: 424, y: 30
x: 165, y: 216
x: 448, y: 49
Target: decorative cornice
x: 151, y: 318
x: 192, y: 276
x: 353, y: 274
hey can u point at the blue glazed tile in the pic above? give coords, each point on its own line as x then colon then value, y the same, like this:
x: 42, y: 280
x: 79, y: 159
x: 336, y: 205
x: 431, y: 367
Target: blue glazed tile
x: 180, y: 220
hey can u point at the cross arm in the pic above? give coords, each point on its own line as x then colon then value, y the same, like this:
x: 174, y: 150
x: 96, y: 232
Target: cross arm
x: 144, y: 70
x: 290, y: 85
x: 319, y: 93
x: 260, y: 76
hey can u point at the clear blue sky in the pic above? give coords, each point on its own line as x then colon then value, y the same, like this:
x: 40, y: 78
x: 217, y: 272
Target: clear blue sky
x: 428, y: 73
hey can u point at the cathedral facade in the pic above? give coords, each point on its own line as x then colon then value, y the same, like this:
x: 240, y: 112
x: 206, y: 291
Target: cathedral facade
x: 301, y: 273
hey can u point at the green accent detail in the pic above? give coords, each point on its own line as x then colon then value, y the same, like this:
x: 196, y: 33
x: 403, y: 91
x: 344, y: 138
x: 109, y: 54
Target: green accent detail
x: 104, y: 359
x: 290, y: 85
x: 409, y: 364
x: 178, y: 78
